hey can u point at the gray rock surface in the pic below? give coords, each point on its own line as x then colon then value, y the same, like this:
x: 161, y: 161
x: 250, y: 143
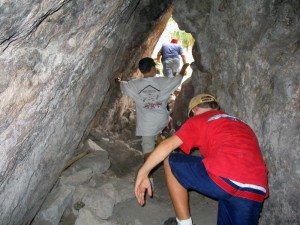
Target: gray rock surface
x: 78, y: 178
x: 108, y: 197
x: 100, y: 201
x: 54, y: 205
x: 247, y: 54
x: 87, y: 217
x: 58, y: 62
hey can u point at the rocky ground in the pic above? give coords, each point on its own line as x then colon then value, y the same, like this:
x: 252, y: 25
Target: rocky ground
x: 96, y: 188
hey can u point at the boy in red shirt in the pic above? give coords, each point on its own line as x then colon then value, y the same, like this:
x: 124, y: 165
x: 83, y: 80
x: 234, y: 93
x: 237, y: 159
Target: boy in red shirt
x: 231, y: 168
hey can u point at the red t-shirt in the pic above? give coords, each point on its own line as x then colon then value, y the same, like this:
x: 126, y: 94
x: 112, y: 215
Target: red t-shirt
x: 229, y: 147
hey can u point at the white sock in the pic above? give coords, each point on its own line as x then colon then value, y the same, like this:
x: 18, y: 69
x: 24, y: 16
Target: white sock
x: 185, y: 222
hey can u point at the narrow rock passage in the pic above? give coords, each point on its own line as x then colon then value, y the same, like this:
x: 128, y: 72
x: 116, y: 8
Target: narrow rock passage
x: 98, y: 189
x: 159, y: 207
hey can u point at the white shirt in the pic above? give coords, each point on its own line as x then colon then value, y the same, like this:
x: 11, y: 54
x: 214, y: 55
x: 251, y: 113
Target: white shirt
x: 151, y: 97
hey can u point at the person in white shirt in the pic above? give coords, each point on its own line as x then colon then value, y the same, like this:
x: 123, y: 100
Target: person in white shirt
x: 151, y: 95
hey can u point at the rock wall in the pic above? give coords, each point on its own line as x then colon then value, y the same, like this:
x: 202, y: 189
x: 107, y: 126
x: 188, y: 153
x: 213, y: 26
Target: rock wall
x: 58, y: 60
x: 247, y: 53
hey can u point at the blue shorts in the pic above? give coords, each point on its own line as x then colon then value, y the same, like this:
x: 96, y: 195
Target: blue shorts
x: 191, y: 174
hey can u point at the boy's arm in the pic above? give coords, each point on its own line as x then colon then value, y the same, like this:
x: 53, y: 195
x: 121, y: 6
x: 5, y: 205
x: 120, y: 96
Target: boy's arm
x: 183, y: 58
x: 161, y: 152
x: 183, y: 69
x: 158, y: 57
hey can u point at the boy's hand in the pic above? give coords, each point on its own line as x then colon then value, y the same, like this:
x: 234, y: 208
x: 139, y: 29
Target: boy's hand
x: 118, y: 80
x: 142, y: 187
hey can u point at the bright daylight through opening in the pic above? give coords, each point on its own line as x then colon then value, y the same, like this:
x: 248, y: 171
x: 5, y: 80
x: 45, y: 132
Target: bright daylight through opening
x: 185, y: 39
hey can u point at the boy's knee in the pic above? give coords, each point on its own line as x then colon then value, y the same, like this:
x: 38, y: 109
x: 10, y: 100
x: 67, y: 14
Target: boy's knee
x: 148, y: 144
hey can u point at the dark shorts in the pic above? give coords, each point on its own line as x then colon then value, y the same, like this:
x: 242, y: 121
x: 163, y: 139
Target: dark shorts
x: 191, y: 174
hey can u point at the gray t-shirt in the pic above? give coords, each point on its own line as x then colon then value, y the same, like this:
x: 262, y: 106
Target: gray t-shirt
x: 151, y: 97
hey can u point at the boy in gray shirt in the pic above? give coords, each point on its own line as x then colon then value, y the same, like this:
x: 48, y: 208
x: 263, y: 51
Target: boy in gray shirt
x: 151, y: 95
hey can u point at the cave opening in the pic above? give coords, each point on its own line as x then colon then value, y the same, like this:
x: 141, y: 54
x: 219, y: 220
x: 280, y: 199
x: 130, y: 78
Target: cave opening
x: 186, y: 40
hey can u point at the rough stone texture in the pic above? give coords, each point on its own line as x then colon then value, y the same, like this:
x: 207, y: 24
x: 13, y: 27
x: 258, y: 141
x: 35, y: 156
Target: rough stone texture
x: 247, y: 53
x: 179, y: 113
x: 101, y: 200
x: 108, y: 196
x: 87, y: 217
x: 55, y: 205
x: 57, y: 61
x: 77, y: 178
x: 97, y: 159
x: 85, y: 194
x: 59, y: 58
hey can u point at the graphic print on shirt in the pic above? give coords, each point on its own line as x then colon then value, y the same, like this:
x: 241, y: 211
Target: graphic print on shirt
x: 150, y: 97
x: 220, y: 116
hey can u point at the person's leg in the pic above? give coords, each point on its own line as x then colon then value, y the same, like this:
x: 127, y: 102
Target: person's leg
x: 190, y: 172
x: 148, y: 144
x: 185, y: 172
x: 175, y: 64
x: 238, y: 211
x: 167, y: 69
x: 178, y: 194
